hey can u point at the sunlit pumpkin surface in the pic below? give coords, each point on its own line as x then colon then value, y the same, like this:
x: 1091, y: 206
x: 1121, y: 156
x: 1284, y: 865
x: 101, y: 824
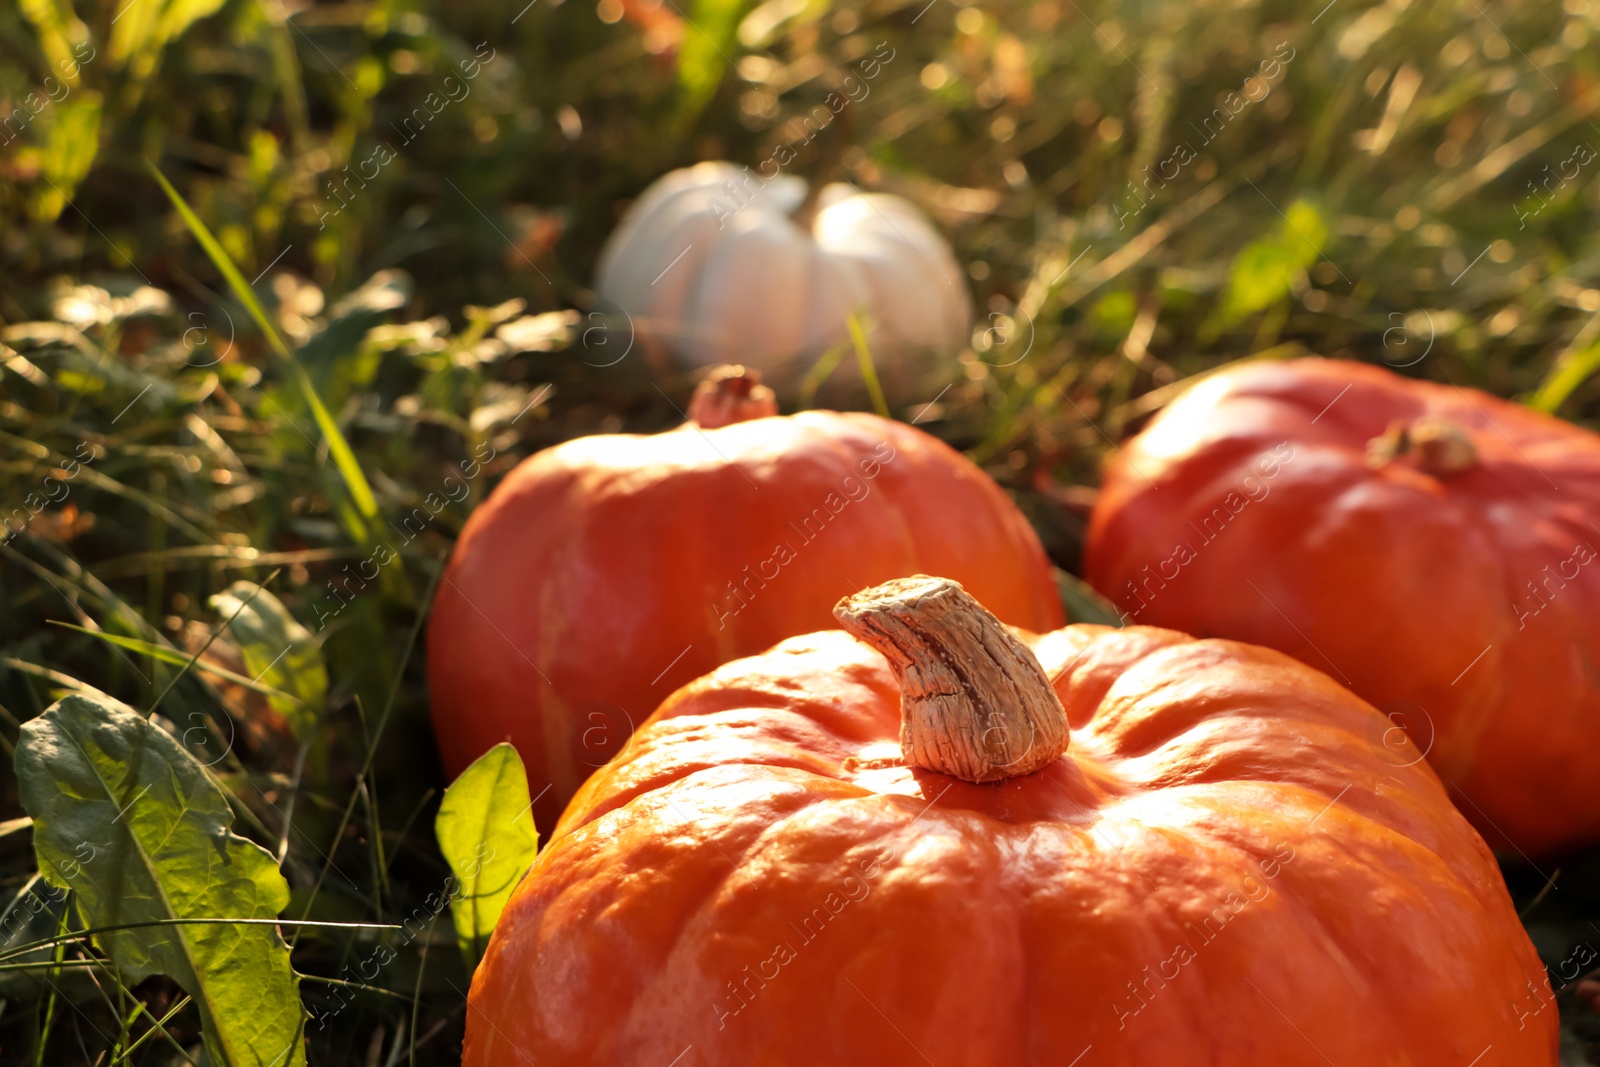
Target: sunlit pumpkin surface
x: 608, y: 571
x: 1221, y: 870
x: 1461, y: 603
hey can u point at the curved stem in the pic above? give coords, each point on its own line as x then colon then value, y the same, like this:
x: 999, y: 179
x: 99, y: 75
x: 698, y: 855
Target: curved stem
x: 1438, y: 446
x: 975, y: 703
x: 731, y: 394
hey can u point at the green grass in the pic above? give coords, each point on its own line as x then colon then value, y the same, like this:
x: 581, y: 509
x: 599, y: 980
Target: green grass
x: 273, y: 398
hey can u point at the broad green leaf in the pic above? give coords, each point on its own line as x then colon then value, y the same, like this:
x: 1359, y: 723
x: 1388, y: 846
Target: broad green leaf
x: 279, y: 652
x: 71, y: 141
x: 1083, y: 603
x: 336, y: 357
x: 485, y: 829
x: 53, y: 21
x: 179, y: 15
x: 134, y: 826
x: 143, y: 30
x: 1304, y: 232
x: 709, y: 35
x: 339, y: 448
x: 1264, y: 270
x: 1115, y: 312
x: 134, y: 32
x: 1260, y: 277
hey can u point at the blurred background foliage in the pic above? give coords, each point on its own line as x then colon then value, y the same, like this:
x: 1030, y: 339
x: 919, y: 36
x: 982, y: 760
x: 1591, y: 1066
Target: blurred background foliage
x: 416, y: 194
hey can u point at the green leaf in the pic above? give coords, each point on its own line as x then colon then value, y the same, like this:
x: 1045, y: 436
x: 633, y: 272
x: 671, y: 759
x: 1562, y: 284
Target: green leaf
x: 1304, y: 232
x: 1083, y: 603
x: 1260, y: 277
x: 1264, y: 271
x: 133, y: 33
x: 52, y: 21
x: 1115, y: 312
x: 141, y: 32
x: 71, y: 141
x: 336, y: 357
x: 279, y: 653
x: 179, y: 15
x: 703, y: 57
x: 485, y: 829
x: 339, y: 448
x: 137, y: 829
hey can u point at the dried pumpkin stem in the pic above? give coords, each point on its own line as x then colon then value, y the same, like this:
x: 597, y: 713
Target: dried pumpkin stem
x: 974, y: 701
x: 731, y: 394
x: 1438, y: 446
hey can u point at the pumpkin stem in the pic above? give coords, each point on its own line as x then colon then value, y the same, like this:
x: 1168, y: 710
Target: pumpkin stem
x: 731, y: 394
x: 974, y: 701
x: 1438, y: 446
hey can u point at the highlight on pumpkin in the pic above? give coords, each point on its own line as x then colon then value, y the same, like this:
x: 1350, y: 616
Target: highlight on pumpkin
x: 757, y: 853
x: 1428, y: 545
x: 749, y: 533
x: 705, y: 542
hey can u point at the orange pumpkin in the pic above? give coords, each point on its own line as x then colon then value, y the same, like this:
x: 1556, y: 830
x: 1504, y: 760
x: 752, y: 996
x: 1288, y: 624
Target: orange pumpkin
x: 1197, y: 858
x: 1432, y: 547
x: 604, y: 573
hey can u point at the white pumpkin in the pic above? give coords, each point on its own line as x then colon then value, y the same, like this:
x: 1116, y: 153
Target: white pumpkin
x: 710, y: 262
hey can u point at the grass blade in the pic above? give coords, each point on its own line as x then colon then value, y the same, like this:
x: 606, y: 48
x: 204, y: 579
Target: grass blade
x: 1575, y: 367
x: 869, y: 372
x: 175, y: 658
x: 343, y: 457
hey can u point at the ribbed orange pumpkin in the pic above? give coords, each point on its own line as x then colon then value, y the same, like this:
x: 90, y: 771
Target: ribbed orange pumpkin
x: 1432, y: 547
x: 604, y: 573
x: 1215, y: 867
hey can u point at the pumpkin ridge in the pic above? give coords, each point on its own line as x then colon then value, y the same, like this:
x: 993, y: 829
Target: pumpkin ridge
x: 1464, y: 892
x: 1113, y: 722
x: 1026, y: 899
x: 1505, y: 716
x: 1127, y: 763
x: 694, y: 771
x: 1325, y: 941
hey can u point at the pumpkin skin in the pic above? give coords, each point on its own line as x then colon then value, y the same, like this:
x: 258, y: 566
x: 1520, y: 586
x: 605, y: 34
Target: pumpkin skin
x: 607, y: 571
x: 748, y: 879
x: 1464, y: 604
x: 755, y: 285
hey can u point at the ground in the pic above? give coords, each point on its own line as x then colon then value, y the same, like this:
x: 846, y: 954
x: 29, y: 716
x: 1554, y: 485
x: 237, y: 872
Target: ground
x: 416, y: 195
